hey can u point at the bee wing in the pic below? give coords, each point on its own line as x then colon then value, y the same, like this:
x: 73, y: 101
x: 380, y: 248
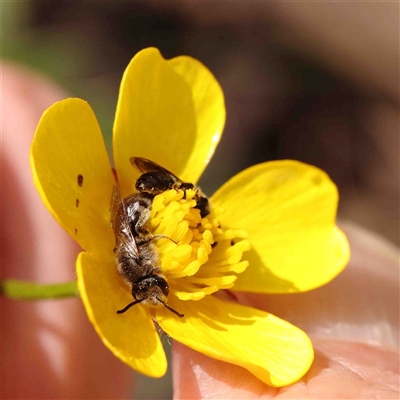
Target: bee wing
x: 120, y: 223
x: 144, y: 165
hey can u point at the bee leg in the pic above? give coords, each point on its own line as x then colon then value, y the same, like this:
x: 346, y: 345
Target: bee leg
x: 164, y: 237
x: 179, y: 187
x: 150, y: 238
x: 141, y: 221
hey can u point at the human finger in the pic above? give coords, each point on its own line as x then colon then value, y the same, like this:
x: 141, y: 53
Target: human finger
x: 352, y: 322
x: 49, y: 349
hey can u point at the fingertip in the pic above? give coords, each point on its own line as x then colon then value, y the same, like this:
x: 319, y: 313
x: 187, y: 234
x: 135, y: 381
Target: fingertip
x: 197, y: 376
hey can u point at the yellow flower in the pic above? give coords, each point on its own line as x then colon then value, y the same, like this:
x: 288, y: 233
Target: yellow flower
x: 281, y: 214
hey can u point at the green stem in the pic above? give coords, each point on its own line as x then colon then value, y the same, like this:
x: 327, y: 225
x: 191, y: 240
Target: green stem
x: 22, y: 290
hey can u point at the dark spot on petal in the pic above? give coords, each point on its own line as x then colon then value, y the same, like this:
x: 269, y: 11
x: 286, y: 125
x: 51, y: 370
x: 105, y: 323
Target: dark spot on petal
x: 317, y: 179
x: 77, y: 203
x: 80, y: 180
x: 214, y: 244
x: 76, y: 231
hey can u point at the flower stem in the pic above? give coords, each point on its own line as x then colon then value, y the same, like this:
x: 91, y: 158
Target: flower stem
x: 22, y: 290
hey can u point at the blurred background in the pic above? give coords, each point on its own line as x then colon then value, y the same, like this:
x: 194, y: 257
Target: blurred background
x: 316, y: 82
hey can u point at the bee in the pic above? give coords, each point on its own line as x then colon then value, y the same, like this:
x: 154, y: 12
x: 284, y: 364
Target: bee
x: 136, y: 254
x: 156, y: 179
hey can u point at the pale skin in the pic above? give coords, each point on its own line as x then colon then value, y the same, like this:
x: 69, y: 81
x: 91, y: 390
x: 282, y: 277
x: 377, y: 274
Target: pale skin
x: 353, y: 322
x: 50, y: 350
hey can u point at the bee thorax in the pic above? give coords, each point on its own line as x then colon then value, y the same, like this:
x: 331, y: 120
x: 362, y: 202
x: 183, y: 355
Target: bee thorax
x: 133, y: 269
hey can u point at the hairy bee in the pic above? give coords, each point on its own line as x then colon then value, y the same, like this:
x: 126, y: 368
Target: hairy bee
x: 156, y: 179
x: 137, y: 257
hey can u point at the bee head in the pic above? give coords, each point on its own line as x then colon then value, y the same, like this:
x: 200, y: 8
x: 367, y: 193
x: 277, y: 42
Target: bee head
x: 153, y: 289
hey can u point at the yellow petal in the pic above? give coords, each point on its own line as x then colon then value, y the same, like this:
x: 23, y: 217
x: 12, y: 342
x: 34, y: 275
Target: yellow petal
x: 288, y: 210
x: 72, y: 173
x: 209, y: 105
x: 171, y: 112
x: 273, y: 350
x: 130, y: 336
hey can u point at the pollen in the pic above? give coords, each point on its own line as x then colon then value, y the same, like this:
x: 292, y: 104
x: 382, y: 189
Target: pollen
x: 198, y: 257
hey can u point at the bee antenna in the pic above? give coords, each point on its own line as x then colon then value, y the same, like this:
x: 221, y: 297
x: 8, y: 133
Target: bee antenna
x: 129, y: 306
x: 171, y: 309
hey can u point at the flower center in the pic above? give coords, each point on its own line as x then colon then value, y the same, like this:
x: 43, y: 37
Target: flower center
x: 202, y: 257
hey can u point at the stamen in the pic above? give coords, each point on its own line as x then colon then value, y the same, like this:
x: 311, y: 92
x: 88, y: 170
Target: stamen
x: 192, y: 262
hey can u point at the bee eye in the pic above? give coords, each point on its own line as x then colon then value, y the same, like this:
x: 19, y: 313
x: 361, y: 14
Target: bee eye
x: 162, y: 284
